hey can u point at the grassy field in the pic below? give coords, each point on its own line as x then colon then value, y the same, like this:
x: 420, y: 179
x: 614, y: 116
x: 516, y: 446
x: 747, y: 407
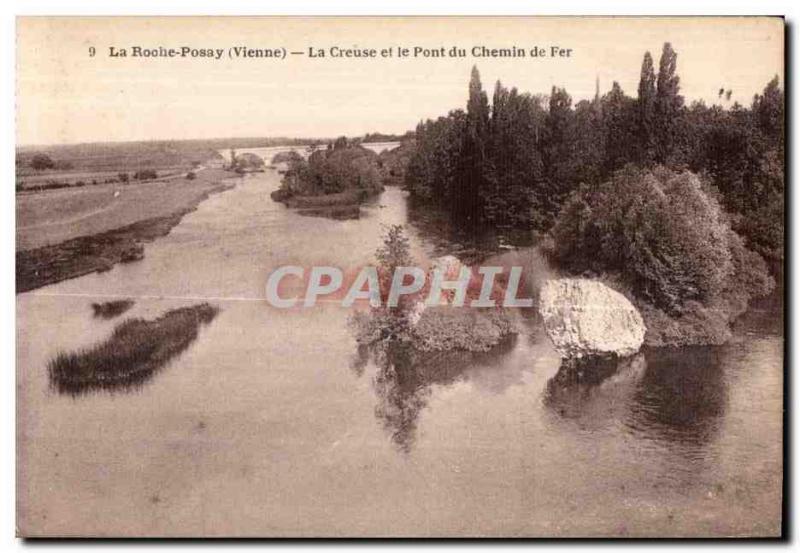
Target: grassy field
x: 53, y: 216
x: 87, y: 212
x: 53, y: 179
x: 68, y: 233
x: 135, y: 156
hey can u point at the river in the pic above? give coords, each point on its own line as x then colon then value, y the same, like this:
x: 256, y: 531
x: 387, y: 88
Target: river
x: 271, y: 423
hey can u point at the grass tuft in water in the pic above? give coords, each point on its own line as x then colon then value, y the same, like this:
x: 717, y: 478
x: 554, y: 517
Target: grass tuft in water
x: 111, y: 309
x: 135, y: 351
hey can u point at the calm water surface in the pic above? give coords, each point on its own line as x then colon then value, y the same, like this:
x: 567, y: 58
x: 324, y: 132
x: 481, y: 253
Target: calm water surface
x: 273, y: 423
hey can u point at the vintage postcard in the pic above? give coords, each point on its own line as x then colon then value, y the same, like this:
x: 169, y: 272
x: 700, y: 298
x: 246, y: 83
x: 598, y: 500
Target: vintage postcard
x: 400, y: 277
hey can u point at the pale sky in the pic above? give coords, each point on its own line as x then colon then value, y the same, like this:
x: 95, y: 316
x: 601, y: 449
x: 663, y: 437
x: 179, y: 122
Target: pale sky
x: 64, y: 95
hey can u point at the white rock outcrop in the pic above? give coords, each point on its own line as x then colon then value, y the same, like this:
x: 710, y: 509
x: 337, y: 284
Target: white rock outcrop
x: 585, y: 317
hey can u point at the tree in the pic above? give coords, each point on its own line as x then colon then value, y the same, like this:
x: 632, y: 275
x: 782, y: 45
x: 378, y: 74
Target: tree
x: 432, y: 168
x: 768, y: 113
x: 513, y: 164
x: 646, y: 111
x: 474, y: 173
x: 558, y: 157
x: 663, y: 237
x: 40, y: 162
x: 395, y: 251
x: 515, y: 127
x: 667, y: 105
x: 338, y: 168
x: 590, y: 142
x: 619, y: 116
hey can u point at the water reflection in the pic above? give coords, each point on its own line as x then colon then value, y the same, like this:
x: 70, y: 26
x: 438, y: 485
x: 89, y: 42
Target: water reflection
x: 682, y: 395
x: 592, y: 392
x: 405, y: 376
x: 471, y: 243
x: 672, y: 396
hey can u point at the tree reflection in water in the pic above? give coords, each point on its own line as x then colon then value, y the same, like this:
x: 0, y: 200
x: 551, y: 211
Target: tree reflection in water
x: 405, y: 376
x: 592, y: 392
x: 682, y: 395
x: 675, y: 396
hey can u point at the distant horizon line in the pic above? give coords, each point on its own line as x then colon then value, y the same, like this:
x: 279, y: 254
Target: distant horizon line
x: 576, y: 99
x: 214, y: 139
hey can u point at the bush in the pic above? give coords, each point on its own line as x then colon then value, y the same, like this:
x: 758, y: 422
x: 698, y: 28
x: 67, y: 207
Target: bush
x: 286, y: 157
x: 248, y: 162
x: 111, y: 309
x: 191, y: 175
x: 339, y: 168
x: 145, y: 174
x: 663, y: 238
x: 40, y: 162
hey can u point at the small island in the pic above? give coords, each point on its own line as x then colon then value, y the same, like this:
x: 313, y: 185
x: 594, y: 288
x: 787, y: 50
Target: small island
x: 333, y: 182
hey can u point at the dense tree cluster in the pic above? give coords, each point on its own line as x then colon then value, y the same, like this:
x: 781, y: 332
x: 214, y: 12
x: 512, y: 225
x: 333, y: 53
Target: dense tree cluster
x: 664, y: 237
x: 342, y: 166
x: 514, y: 162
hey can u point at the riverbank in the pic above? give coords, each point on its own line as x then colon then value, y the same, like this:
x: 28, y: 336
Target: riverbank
x: 112, y: 226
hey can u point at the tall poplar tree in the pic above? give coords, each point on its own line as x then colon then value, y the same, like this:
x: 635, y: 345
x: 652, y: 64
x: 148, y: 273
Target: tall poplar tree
x: 475, y: 168
x: 668, y: 105
x: 645, y: 110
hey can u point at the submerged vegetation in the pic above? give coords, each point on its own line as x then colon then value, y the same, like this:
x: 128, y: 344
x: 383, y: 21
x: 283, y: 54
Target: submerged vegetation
x: 132, y: 354
x: 111, y: 309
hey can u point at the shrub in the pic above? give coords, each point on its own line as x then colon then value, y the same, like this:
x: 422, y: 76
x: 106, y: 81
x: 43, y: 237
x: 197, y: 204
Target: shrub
x: 662, y: 237
x: 111, y: 309
x: 248, y: 162
x: 191, y: 175
x: 40, y: 162
x: 145, y: 174
x: 286, y: 157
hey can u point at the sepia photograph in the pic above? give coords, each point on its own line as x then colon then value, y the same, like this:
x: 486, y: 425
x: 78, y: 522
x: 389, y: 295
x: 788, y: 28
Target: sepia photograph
x: 400, y: 277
